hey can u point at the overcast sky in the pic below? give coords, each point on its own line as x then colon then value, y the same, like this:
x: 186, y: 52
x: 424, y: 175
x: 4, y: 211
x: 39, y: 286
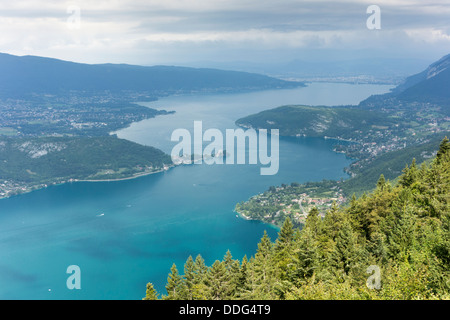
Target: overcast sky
x: 184, y: 31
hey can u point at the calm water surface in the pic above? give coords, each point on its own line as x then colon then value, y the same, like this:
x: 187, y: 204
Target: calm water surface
x: 124, y: 234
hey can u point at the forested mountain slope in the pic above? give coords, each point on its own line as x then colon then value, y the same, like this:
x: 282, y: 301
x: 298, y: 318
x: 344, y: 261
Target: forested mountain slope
x: 26, y: 75
x: 391, y: 244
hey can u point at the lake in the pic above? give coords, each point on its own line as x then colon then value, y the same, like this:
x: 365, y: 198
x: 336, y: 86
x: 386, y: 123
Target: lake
x: 123, y: 234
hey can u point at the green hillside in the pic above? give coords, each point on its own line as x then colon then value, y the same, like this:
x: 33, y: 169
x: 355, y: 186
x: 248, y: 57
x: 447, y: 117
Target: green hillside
x: 393, y: 244
x: 391, y: 164
x: 27, y: 163
x: 316, y: 121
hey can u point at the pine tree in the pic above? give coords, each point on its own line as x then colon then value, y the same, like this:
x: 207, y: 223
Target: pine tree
x: 307, y: 257
x: 410, y: 175
x: 201, y: 268
x: 262, y: 270
x: 442, y: 253
x: 377, y: 247
x: 228, y: 260
x: 345, y: 254
x: 332, y: 222
x: 150, y: 293
x: 401, y: 236
x: 243, y: 280
x: 283, y: 258
x: 264, y: 247
x: 435, y: 188
x: 175, y: 285
x: 354, y: 214
x: 199, y: 287
x: 381, y: 183
x: 232, y: 278
x: 236, y: 282
x: 217, y: 281
x: 444, y: 148
x: 313, y: 220
x: 353, y: 200
x: 190, y: 276
x: 285, y: 236
x: 283, y: 246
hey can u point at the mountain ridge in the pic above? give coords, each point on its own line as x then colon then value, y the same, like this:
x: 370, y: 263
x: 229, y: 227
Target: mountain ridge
x: 431, y: 84
x: 41, y: 75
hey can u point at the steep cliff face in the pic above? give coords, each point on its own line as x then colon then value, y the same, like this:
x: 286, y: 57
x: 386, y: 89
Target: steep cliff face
x: 432, y: 84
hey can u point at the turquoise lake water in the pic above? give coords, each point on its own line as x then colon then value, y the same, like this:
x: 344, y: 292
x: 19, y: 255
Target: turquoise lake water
x: 124, y: 234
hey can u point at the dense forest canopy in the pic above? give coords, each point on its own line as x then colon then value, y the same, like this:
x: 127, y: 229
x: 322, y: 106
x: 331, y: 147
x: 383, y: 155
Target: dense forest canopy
x: 399, y: 233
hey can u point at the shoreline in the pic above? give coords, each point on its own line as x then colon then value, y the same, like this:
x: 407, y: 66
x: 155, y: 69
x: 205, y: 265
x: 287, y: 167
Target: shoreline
x: 244, y: 217
x: 135, y: 176
x: 46, y: 185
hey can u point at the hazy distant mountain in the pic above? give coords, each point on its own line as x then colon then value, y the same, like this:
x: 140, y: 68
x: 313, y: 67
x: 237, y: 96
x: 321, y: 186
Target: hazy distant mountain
x: 31, y: 74
x: 377, y: 70
x: 429, y: 86
x: 432, y: 84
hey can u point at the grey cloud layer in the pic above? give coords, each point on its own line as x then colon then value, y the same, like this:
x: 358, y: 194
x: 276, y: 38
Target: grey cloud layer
x: 194, y: 25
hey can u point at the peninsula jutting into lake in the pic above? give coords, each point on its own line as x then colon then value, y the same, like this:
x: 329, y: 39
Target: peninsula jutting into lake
x: 183, y: 210
x: 68, y: 124
x: 224, y: 150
